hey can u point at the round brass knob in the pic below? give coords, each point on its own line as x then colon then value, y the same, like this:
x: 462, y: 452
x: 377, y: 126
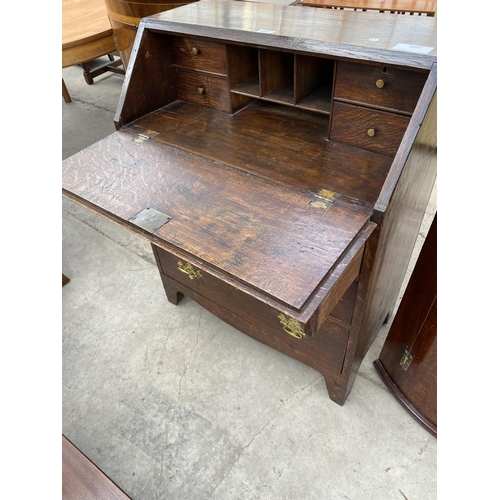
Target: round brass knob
x: 371, y: 132
x: 380, y: 83
x: 194, y: 50
x: 201, y: 90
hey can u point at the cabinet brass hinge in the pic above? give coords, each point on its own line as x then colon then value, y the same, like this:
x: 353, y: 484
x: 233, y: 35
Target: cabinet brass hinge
x: 406, y: 359
x: 323, y: 199
x: 145, y: 136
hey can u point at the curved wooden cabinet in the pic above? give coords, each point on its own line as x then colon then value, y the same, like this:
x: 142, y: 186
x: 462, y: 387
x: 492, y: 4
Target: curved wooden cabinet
x: 125, y: 16
x: 408, y: 360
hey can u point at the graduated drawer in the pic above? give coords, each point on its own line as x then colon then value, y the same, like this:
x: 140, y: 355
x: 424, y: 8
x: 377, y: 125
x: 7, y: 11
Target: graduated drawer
x: 198, y: 54
x: 390, y: 88
x: 204, y: 89
x: 368, y: 129
x: 262, y: 312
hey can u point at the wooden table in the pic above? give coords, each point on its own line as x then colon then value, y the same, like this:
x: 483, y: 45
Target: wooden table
x: 87, y: 35
x: 411, y: 7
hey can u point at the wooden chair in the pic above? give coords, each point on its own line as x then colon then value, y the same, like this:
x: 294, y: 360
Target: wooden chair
x: 406, y: 7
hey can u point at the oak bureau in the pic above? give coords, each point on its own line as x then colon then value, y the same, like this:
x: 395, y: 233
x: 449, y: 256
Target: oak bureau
x: 279, y: 160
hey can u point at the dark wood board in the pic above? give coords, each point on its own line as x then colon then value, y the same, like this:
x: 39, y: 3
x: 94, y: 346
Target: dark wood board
x: 262, y: 233
x: 368, y: 37
x: 82, y: 480
x: 276, y: 142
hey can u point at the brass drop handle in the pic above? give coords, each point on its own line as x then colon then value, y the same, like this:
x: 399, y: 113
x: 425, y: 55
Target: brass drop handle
x: 371, y: 132
x: 195, y: 51
x: 291, y: 326
x: 380, y: 83
x: 201, y: 90
x: 187, y: 268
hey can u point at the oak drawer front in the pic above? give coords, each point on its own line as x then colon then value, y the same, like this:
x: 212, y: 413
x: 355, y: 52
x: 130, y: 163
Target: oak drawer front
x: 226, y: 295
x: 258, y: 312
x: 324, y: 351
x: 368, y: 129
x: 379, y: 86
x: 201, y: 55
x: 200, y: 88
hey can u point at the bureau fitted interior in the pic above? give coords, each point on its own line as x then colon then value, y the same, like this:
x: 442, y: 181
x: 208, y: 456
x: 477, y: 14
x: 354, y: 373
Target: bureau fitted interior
x: 257, y: 171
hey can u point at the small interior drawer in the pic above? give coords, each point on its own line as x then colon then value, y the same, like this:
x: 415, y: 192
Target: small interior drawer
x: 368, y: 129
x: 204, y: 89
x: 386, y: 87
x: 199, y: 54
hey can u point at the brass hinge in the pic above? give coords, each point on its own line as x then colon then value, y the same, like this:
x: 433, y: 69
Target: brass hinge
x: 406, y: 359
x: 145, y: 136
x: 323, y: 199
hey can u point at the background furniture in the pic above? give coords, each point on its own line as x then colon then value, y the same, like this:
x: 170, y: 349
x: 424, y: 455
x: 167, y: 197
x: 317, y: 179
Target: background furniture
x: 82, y: 480
x: 87, y: 35
x: 281, y: 188
x: 410, y: 7
x: 408, y: 361
x: 125, y: 16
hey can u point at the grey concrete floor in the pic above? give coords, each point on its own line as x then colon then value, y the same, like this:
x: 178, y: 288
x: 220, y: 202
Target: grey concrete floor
x: 172, y: 403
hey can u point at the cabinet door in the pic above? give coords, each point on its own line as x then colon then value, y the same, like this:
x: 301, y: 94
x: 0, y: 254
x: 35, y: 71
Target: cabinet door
x: 408, y: 360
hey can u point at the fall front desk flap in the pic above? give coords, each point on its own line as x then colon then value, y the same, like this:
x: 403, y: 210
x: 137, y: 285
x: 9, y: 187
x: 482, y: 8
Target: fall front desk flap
x: 285, y: 245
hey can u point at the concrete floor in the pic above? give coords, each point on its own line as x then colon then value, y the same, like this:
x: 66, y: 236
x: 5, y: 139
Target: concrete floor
x: 171, y: 403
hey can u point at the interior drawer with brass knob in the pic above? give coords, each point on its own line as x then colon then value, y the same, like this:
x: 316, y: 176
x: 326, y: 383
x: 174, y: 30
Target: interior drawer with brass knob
x: 367, y: 128
x: 204, y: 89
x: 381, y: 86
x: 199, y: 54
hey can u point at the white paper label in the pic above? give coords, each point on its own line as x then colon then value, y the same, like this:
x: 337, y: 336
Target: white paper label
x: 417, y: 49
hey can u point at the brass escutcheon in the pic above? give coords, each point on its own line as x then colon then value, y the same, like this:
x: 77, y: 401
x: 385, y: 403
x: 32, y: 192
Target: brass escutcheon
x: 291, y: 326
x: 187, y: 268
x: 380, y: 83
x: 371, y: 132
x: 194, y: 50
x: 201, y: 90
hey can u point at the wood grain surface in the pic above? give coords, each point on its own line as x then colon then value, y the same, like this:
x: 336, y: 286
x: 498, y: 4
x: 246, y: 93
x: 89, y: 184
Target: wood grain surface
x: 275, y: 142
x: 262, y: 233
x: 82, y: 480
x: 369, y: 37
x: 86, y: 31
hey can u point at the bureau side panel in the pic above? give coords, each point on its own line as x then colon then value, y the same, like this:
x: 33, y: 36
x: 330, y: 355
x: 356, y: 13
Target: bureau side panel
x: 399, y: 227
x: 149, y: 82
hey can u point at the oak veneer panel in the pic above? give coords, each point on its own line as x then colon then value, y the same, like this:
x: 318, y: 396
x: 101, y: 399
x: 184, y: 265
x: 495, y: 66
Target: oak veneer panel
x: 275, y: 70
x: 262, y: 233
x: 329, y: 32
x: 141, y: 95
x: 277, y: 142
x: 82, y: 480
x: 243, y: 66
